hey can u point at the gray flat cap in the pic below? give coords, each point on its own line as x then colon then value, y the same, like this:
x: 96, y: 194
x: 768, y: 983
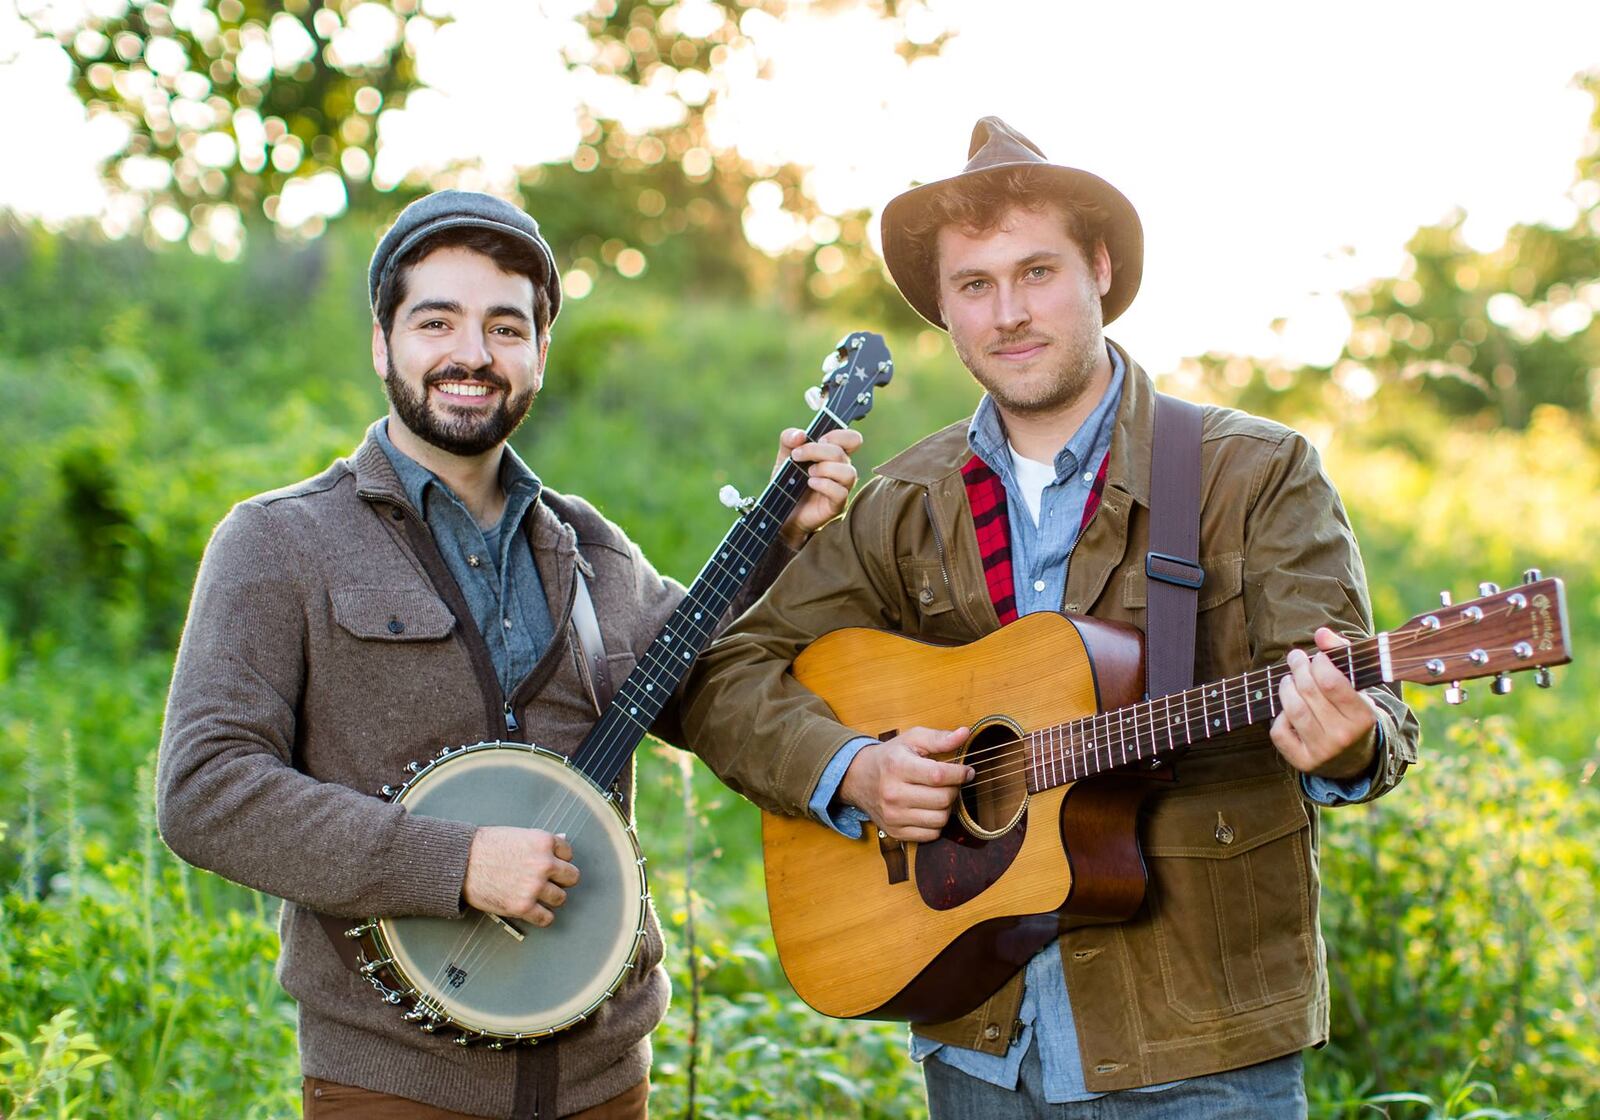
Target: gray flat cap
x: 451, y: 210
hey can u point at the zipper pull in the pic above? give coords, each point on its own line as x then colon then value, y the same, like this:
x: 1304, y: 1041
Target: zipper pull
x: 511, y: 719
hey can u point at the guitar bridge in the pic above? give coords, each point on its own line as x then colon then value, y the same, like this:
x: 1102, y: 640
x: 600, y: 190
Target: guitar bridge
x: 894, y: 857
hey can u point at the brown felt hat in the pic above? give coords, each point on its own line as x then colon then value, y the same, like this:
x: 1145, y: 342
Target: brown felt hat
x: 996, y: 146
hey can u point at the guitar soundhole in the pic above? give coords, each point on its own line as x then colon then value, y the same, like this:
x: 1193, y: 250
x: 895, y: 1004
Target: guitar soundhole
x: 996, y: 797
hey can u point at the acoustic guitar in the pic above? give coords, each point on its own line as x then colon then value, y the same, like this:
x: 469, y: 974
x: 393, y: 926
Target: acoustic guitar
x: 1045, y: 836
x: 496, y: 980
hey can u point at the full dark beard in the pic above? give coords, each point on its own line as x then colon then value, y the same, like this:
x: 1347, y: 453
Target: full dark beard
x: 459, y: 435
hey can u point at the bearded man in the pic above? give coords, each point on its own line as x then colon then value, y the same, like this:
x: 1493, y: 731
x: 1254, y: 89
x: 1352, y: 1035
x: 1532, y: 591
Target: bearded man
x: 422, y: 593
x: 1198, y: 1005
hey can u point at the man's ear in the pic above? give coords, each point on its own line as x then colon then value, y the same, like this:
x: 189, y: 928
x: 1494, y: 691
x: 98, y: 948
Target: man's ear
x: 1102, y: 267
x: 380, y: 351
x: 544, y: 352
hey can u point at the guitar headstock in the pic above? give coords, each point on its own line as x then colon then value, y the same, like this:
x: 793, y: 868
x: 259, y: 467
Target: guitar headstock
x: 851, y: 371
x: 1501, y: 632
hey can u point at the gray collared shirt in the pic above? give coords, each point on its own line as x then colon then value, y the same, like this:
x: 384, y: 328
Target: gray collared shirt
x: 494, y: 567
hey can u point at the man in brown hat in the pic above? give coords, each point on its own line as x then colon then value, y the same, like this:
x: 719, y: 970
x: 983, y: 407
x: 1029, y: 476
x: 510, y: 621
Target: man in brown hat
x: 1199, y: 1005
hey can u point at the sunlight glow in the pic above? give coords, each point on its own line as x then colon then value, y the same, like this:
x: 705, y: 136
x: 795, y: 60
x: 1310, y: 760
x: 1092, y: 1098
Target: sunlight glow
x: 1275, y: 162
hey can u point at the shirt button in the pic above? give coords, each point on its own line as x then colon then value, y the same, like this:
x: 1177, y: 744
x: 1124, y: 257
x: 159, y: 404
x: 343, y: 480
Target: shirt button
x: 991, y: 1032
x: 507, y: 622
x: 1038, y: 585
x: 396, y: 626
x: 1087, y: 477
x: 472, y: 560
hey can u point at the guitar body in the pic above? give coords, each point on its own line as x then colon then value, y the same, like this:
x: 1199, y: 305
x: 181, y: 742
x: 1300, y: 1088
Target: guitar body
x: 871, y: 928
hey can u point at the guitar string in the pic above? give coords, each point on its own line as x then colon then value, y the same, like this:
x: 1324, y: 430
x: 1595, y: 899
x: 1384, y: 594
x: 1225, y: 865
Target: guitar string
x: 1119, y: 728
x: 1368, y: 658
x: 1091, y: 755
x: 1100, y: 747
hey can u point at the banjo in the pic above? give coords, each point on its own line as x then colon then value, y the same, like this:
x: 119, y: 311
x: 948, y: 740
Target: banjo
x: 499, y: 980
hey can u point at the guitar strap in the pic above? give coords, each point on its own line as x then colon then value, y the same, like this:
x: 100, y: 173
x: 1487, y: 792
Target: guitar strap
x: 1172, y: 565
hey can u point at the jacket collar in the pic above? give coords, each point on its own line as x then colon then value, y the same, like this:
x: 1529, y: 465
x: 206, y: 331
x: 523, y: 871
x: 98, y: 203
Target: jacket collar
x: 942, y: 454
x: 378, y: 481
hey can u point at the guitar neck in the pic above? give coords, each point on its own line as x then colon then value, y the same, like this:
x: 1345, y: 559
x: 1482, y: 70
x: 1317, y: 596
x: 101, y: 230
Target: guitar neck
x: 1153, y: 731
x: 608, y: 747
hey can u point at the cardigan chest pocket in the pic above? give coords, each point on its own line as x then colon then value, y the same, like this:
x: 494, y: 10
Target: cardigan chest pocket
x: 381, y: 614
x: 1232, y: 907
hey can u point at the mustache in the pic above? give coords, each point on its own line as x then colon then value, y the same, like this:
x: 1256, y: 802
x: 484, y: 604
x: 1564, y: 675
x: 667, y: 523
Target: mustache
x: 467, y: 376
x: 1025, y: 338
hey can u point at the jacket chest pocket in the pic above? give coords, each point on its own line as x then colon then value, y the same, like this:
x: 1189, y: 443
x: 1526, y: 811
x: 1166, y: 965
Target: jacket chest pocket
x: 933, y: 610
x: 378, y: 614
x: 1232, y: 900
x: 1222, y: 642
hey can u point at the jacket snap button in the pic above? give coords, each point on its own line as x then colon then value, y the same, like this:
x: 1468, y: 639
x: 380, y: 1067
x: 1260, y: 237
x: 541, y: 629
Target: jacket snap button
x: 396, y: 626
x: 992, y: 1031
x: 925, y: 596
x: 396, y: 514
x: 1224, y: 831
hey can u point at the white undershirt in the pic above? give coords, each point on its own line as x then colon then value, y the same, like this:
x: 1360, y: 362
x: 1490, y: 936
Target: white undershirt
x: 1032, y: 477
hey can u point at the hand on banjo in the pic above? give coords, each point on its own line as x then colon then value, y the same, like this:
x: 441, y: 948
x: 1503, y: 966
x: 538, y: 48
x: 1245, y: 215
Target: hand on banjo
x: 518, y: 873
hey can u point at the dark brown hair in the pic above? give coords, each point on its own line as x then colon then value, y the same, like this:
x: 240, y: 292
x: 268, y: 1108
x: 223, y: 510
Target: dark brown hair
x: 509, y: 254
x: 976, y: 204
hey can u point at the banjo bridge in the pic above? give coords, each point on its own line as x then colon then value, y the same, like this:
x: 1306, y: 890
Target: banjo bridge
x: 508, y: 927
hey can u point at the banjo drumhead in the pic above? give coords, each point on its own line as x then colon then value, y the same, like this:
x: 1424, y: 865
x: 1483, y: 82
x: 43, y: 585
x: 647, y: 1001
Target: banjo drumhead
x: 472, y: 968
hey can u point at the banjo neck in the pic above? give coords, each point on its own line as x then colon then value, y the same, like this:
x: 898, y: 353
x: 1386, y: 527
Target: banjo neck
x: 622, y: 727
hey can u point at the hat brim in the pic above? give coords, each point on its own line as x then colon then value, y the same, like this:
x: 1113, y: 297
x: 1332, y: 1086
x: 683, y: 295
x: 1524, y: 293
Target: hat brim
x: 1123, y: 233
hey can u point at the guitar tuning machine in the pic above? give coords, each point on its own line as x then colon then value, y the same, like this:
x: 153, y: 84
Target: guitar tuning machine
x: 1501, y: 685
x: 729, y: 496
x: 1541, y: 677
x: 1444, y: 599
x: 1532, y: 575
x: 1486, y: 589
x: 1454, y: 693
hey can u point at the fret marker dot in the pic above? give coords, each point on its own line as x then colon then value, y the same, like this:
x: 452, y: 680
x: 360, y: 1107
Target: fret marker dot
x: 697, y: 616
x: 1216, y: 723
x: 686, y: 655
x: 649, y: 688
x: 1258, y: 694
x: 763, y: 525
x: 633, y: 711
x: 1213, y: 692
x: 741, y: 571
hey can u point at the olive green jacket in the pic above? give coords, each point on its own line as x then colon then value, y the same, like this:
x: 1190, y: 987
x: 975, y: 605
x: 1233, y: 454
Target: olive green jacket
x: 1224, y: 964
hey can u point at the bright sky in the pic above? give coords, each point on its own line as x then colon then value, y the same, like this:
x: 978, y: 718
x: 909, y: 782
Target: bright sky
x: 1276, y: 153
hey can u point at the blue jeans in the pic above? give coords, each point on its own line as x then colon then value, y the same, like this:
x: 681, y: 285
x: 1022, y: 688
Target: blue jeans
x: 1273, y: 1090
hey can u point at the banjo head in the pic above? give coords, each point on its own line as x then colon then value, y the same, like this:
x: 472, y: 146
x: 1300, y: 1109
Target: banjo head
x: 507, y: 978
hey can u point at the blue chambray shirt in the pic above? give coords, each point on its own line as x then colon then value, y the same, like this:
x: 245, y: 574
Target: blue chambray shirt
x: 1039, y: 558
x: 494, y: 566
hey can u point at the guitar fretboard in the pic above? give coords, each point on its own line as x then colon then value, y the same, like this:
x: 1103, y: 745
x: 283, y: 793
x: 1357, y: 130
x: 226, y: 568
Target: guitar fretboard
x: 639, y: 700
x: 1151, y: 730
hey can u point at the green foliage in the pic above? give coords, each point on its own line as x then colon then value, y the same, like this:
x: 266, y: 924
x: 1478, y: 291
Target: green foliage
x: 1457, y: 911
x: 48, y: 1069
x: 1457, y: 920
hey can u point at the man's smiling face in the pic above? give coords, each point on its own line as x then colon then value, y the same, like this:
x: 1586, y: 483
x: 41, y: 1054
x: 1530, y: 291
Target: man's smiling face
x: 462, y: 361
x: 1023, y: 308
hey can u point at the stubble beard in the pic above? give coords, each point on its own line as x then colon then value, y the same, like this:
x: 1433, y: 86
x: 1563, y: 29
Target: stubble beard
x: 1058, y: 385
x: 459, y: 435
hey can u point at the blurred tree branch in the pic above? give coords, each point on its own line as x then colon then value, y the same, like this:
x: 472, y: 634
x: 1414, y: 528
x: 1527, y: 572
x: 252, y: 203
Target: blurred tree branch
x: 240, y: 110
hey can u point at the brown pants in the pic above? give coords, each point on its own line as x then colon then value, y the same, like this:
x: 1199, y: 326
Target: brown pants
x: 327, y: 1100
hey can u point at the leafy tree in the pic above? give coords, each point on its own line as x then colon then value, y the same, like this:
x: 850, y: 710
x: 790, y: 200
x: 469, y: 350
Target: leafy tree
x: 1483, y: 335
x: 244, y: 109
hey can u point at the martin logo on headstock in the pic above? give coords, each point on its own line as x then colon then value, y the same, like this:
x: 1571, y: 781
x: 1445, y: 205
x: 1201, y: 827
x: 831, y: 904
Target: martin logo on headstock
x: 1496, y: 634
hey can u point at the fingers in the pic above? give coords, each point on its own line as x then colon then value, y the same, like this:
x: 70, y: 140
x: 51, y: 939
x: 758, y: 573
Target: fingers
x: 1325, y: 725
